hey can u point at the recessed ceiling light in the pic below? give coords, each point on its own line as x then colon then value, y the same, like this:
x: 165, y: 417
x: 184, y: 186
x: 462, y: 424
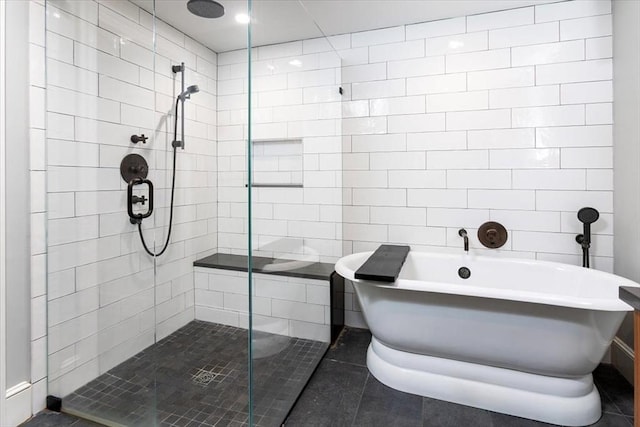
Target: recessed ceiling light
x: 295, y: 63
x: 242, y: 18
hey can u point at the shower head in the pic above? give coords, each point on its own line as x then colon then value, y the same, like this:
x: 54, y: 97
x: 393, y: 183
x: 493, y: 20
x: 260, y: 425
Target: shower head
x: 588, y: 215
x: 205, y: 8
x: 187, y: 93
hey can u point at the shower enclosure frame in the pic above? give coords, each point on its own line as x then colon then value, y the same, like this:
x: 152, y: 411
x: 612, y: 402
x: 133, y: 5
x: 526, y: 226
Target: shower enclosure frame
x: 3, y: 321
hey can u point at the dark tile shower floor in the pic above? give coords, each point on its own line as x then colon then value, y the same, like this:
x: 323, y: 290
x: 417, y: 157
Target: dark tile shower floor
x: 197, y: 376
x: 343, y: 393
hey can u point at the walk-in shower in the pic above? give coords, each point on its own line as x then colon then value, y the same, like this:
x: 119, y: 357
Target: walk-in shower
x: 152, y: 319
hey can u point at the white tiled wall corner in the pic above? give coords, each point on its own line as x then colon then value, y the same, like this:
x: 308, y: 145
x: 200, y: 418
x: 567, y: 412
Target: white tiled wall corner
x: 101, y: 89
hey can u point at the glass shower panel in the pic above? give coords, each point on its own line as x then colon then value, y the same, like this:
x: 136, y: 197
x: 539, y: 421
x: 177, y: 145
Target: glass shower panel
x: 101, y: 286
x: 125, y: 345
x: 295, y: 148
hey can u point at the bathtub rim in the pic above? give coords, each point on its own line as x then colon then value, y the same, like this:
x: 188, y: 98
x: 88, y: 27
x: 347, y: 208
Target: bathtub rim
x: 600, y: 304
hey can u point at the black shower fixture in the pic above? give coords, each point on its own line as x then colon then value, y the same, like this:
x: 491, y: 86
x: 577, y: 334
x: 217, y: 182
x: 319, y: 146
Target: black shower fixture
x: 205, y: 8
x: 134, y: 169
x: 187, y: 93
x: 184, y: 95
x: 586, y: 216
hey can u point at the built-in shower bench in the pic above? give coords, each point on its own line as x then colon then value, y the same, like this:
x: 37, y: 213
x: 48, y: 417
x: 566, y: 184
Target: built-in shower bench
x: 289, y: 297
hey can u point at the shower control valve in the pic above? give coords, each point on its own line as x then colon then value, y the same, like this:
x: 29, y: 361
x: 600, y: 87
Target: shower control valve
x: 137, y: 199
x: 135, y: 138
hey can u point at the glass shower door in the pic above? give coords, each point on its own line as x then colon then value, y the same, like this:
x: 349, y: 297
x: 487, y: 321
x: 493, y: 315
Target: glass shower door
x: 294, y: 152
x: 124, y: 344
x: 101, y: 291
x: 243, y: 156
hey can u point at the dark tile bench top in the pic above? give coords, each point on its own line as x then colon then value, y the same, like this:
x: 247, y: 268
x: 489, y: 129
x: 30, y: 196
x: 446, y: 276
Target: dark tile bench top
x: 265, y: 265
x: 384, y: 264
x: 630, y: 295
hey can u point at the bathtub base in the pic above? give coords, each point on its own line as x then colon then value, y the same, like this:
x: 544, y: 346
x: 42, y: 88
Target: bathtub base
x: 563, y: 401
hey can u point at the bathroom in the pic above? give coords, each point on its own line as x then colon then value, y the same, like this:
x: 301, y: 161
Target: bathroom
x: 278, y: 138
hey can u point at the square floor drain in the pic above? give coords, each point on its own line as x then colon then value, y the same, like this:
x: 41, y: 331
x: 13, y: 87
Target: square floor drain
x: 206, y: 377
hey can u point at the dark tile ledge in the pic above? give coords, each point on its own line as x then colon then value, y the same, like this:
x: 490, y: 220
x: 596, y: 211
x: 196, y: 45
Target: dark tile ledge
x: 266, y: 265
x: 630, y: 295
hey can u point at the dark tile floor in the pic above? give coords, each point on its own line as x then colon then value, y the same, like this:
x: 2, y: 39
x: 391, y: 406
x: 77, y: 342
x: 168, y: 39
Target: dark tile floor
x: 197, y: 377
x: 343, y: 393
x: 57, y: 419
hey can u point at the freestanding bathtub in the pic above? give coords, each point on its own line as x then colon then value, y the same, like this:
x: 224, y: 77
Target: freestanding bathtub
x: 520, y: 337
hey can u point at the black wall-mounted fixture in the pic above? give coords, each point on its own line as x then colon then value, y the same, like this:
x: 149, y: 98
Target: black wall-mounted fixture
x: 463, y: 233
x: 136, y: 218
x: 492, y: 234
x: 133, y: 166
x: 586, y: 216
x: 135, y: 138
x: 134, y: 170
x: 184, y: 95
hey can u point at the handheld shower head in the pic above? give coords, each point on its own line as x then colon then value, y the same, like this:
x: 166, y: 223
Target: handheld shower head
x: 187, y: 93
x: 588, y: 215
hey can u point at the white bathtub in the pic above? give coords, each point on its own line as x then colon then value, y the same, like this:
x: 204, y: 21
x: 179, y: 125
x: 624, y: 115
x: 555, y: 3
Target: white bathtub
x: 520, y: 337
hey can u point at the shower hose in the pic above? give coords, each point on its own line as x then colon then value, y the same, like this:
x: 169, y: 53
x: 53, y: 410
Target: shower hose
x: 173, y: 187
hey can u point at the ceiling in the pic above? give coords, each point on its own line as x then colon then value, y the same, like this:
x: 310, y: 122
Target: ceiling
x: 278, y: 21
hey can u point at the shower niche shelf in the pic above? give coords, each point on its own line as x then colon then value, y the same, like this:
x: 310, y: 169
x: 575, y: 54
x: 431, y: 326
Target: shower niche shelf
x: 277, y: 163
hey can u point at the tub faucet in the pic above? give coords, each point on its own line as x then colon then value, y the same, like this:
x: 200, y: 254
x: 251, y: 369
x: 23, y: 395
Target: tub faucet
x: 463, y: 233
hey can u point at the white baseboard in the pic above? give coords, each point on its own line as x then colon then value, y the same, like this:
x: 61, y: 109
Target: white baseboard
x: 622, y: 358
x: 18, y: 404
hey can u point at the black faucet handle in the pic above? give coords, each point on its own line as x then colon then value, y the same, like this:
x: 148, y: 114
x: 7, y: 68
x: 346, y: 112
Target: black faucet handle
x: 137, y: 199
x: 135, y: 138
x: 462, y: 232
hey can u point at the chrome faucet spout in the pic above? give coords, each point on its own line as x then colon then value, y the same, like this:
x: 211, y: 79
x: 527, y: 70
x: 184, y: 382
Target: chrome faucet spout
x: 463, y: 233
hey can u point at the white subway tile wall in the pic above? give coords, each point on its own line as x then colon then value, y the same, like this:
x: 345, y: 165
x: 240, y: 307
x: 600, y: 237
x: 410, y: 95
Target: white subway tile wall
x: 489, y: 114
x: 297, y: 98
x: 502, y: 116
x: 282, y: 305
x: 506, y: 117
x: 103, y: 86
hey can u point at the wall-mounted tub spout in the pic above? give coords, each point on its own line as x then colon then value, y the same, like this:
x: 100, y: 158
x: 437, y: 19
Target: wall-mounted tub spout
x: 463, y: 233
x: 586, y: 216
